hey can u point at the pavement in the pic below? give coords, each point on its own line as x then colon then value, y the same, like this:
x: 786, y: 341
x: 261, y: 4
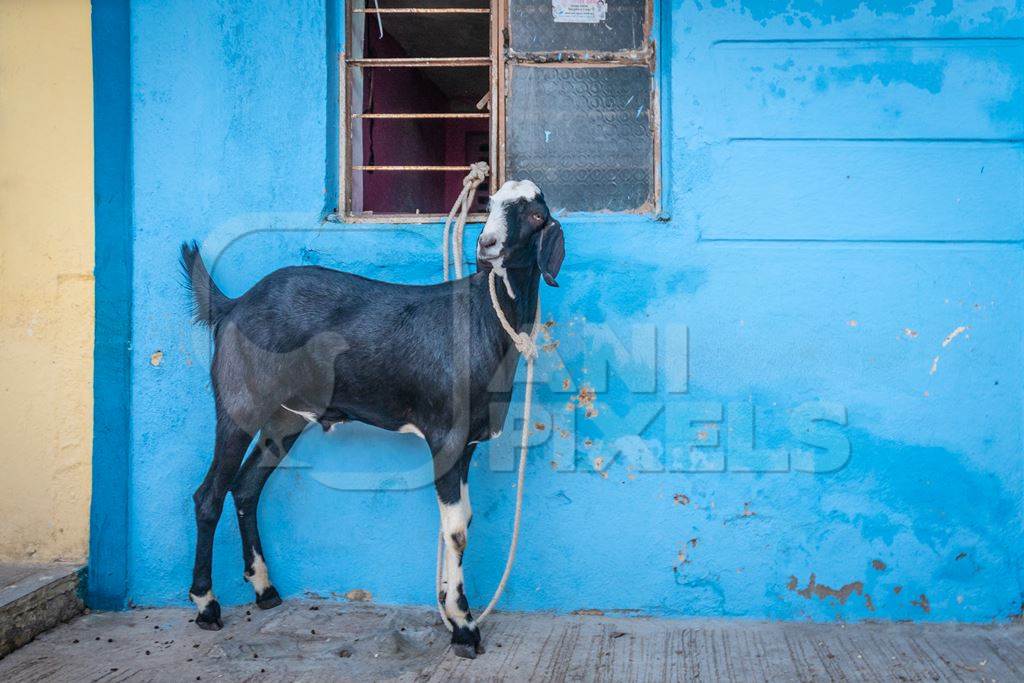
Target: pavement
x: 321, y: 640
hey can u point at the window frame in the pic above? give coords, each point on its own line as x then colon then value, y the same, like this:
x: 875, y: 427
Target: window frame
x: 502, y: 60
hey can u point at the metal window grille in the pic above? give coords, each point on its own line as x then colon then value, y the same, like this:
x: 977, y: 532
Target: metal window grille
x: 571, y: 105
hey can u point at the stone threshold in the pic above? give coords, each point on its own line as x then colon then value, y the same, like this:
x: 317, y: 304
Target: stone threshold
x: 36, y: 597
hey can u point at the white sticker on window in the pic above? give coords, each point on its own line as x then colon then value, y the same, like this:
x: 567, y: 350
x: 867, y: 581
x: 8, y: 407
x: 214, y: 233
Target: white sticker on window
x: 579, y: 11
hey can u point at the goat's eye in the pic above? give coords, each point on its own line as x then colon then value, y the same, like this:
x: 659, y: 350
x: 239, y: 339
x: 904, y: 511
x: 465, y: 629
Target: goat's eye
x: 536, y: 219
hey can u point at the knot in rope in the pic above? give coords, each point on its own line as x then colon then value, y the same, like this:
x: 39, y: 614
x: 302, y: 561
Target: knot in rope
x: 526, y: 345
x: 477, y: 174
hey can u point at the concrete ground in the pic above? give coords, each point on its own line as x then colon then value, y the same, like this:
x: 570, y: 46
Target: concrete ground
x: 328, y: 641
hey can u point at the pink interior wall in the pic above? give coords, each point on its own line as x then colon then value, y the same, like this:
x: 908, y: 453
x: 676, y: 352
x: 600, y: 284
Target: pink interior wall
x: 457, y: 153
x: 410, y: 142
x: 391, y: 142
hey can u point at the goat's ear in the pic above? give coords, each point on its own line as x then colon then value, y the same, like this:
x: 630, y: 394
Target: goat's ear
x: 551, y: 251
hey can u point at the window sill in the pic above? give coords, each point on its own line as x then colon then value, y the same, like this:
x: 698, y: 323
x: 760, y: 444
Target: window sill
x: 399, y: 218
x: 624, y: 218
x: 480, y: 218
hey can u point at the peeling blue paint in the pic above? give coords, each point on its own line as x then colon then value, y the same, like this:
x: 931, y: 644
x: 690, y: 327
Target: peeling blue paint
x: 842, y: 192
x: 927, y: 76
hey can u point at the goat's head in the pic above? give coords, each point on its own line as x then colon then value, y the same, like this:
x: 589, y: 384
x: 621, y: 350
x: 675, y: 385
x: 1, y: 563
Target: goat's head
x: 520, y: 231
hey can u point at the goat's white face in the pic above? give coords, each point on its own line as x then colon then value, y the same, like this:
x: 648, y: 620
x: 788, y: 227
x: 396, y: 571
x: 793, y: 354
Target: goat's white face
x: 495, y: 232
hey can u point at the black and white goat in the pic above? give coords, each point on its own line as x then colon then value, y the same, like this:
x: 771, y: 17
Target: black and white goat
x: 312, y: 344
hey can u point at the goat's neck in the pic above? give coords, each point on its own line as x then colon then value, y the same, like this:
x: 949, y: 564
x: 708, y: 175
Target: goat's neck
x: 524, y: 283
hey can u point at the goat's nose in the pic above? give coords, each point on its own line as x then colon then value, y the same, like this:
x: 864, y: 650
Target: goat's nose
x: 488, y: 241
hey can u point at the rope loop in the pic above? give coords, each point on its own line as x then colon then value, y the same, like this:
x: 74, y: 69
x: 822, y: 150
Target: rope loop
x: 525, y: 343
x: 453, y: 232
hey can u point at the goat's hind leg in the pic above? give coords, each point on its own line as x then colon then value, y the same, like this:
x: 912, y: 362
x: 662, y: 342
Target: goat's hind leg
x: 209, y: 501
x: 451, y: 468
x: 276, y: 439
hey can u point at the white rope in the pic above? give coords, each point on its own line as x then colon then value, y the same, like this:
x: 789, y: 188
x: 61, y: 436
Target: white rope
x: 526, y: 344
x: 477, y: 174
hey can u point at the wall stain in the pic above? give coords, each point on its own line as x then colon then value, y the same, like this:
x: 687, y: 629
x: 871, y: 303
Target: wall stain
x: 822, y: 591
x: 878, y: 565
x: 586, y: 399
x: 359, y: 595
x: 923, y: 603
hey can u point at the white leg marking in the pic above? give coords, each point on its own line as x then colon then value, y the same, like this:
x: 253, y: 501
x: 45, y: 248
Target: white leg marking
x: 260, y: 577
x: 202, y: 601
x: 455, y: 523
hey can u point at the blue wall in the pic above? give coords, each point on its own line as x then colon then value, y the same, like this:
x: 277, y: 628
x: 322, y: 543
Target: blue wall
x: 108, y: 538
x: 845, y: 191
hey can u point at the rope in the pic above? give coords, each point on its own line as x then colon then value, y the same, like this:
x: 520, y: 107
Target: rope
x: 477, y: 174
x: 526, y: 344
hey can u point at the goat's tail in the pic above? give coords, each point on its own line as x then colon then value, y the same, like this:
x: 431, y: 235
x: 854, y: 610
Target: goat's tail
x: 209, y: 304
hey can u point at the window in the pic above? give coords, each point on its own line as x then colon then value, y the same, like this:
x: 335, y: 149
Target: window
x: 558, y: 91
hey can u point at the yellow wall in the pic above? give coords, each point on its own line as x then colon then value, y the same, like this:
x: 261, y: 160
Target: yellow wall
x: 46, y: 282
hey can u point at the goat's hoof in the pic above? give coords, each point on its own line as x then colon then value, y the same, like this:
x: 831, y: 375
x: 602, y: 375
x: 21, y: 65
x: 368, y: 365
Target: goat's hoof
x: 214, y: 625
x: 464, y: 650
x: 466, y: 642
x: 269, y: 599
x: 208, y: 619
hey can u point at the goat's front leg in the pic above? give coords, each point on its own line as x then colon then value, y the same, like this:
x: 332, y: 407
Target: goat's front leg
x: 451, y: 470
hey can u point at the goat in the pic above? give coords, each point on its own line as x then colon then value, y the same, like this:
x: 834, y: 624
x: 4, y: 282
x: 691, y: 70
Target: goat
x: 310, y: 344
